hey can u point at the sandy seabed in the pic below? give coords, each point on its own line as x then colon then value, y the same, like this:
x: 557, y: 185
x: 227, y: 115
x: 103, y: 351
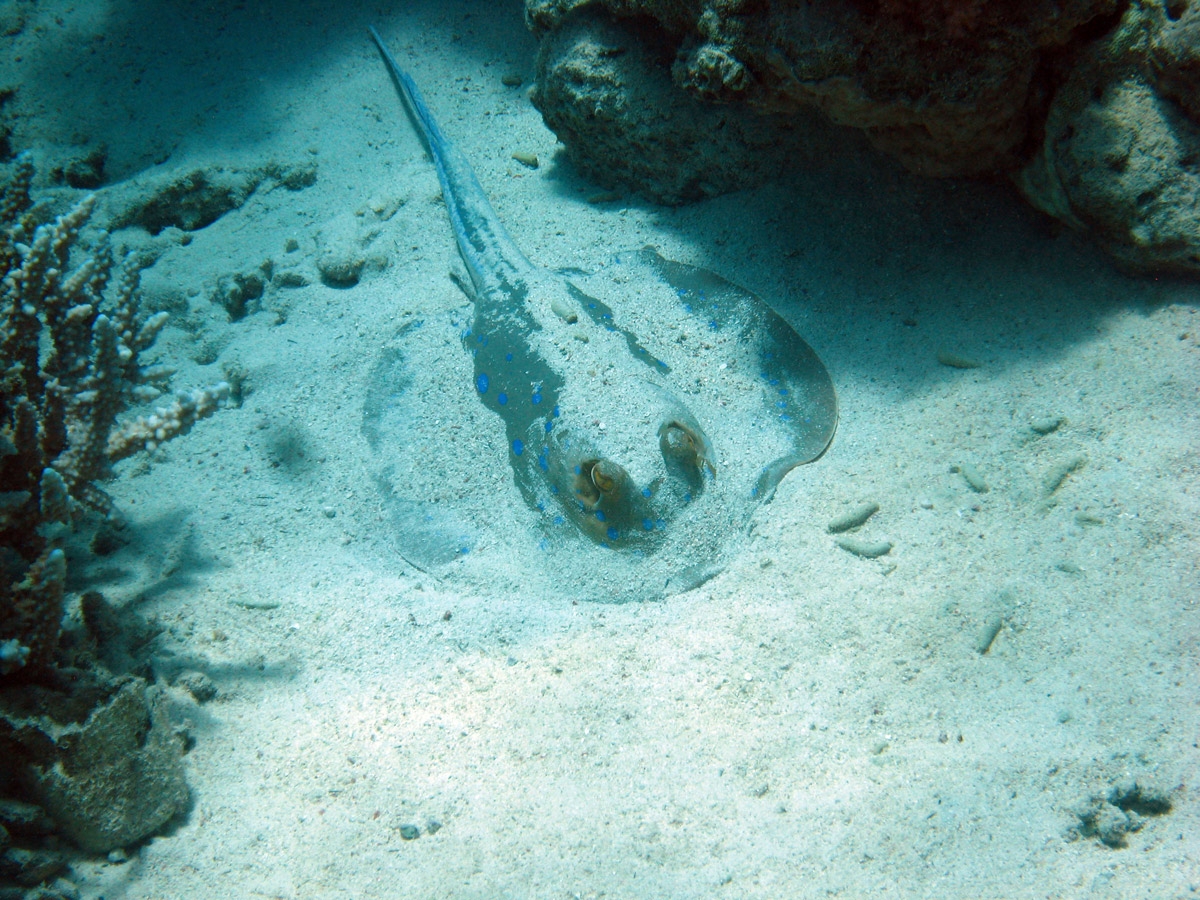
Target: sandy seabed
x: 809, y: 723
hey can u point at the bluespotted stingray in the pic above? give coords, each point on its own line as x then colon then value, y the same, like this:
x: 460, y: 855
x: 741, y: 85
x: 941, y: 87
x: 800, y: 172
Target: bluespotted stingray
x: 603, y: 435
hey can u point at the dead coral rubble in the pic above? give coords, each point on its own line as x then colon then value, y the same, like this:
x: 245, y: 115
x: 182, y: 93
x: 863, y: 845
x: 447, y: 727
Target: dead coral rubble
x: 70, y: 340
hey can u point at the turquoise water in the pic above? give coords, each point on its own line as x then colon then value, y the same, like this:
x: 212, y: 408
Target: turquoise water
x: 954, y: 717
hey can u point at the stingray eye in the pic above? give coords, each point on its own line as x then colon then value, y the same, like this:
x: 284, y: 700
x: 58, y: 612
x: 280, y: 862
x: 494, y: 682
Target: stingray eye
x: 608, y: 477
x: 596, y: 479
x: 686, y: 444
x: 589, y: 484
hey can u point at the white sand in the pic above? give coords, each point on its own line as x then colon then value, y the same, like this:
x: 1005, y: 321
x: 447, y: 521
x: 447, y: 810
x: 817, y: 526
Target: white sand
x: 809, y: 723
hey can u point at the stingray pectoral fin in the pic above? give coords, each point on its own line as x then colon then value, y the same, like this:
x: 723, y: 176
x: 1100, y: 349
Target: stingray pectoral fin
x: 772, y: 474
x: 428, y: 535
x: 691, y: 577
x: 799, y: 389
x: 809, y: 408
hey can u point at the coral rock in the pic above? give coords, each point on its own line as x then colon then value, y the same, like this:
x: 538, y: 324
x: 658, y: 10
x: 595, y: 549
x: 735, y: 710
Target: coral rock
x: 1119, y: 159
x: 107, y: 780
x: 1091, y: 106
x: 604, y: 87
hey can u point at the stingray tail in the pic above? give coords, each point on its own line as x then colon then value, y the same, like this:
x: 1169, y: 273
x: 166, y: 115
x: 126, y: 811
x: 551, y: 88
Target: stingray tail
x: 486, y: 247
x: 435, y: 141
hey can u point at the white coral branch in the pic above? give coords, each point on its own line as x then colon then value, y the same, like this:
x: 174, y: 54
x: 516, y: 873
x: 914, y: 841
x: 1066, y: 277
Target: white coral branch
x: 147, y: 432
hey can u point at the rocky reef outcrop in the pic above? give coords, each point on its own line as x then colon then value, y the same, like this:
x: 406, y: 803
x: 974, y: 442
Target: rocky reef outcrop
x: 1119, y: 151
x: 682, y: 98
x: 604, y: 87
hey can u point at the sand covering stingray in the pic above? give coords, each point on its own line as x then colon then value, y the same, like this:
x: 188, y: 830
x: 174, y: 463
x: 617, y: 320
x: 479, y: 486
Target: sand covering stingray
x: 621, y: 426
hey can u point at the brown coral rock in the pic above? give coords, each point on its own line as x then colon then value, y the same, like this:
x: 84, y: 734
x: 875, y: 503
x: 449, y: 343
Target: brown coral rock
x: 949, y: 88
x: 1121, y: 157
x: 604, y: 87
x: 1091, y: 106
x: 108, y: 768
x: 1175, y: 56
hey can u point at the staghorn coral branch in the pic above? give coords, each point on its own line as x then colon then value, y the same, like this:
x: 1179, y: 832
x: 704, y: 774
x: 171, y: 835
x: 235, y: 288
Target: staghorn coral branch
x: 69, y: 367
x: 148, y: 432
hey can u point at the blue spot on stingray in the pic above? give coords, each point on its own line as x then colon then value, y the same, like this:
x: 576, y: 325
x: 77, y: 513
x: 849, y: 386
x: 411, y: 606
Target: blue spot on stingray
x: 549, y: 425
x: 612, y: 533
x: 502, y: 398
x: 783, y: 392
x: 645, y: 492
x: 518, y: 446
x: 558, y: 520
x: 554, y: 412
x: 687, y: 498
x: 599, y: 515
x: 536, y: 398
x: 481, y: 382
x: 578, y: 470
x: 508, y: 357
x: 648, y: 524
